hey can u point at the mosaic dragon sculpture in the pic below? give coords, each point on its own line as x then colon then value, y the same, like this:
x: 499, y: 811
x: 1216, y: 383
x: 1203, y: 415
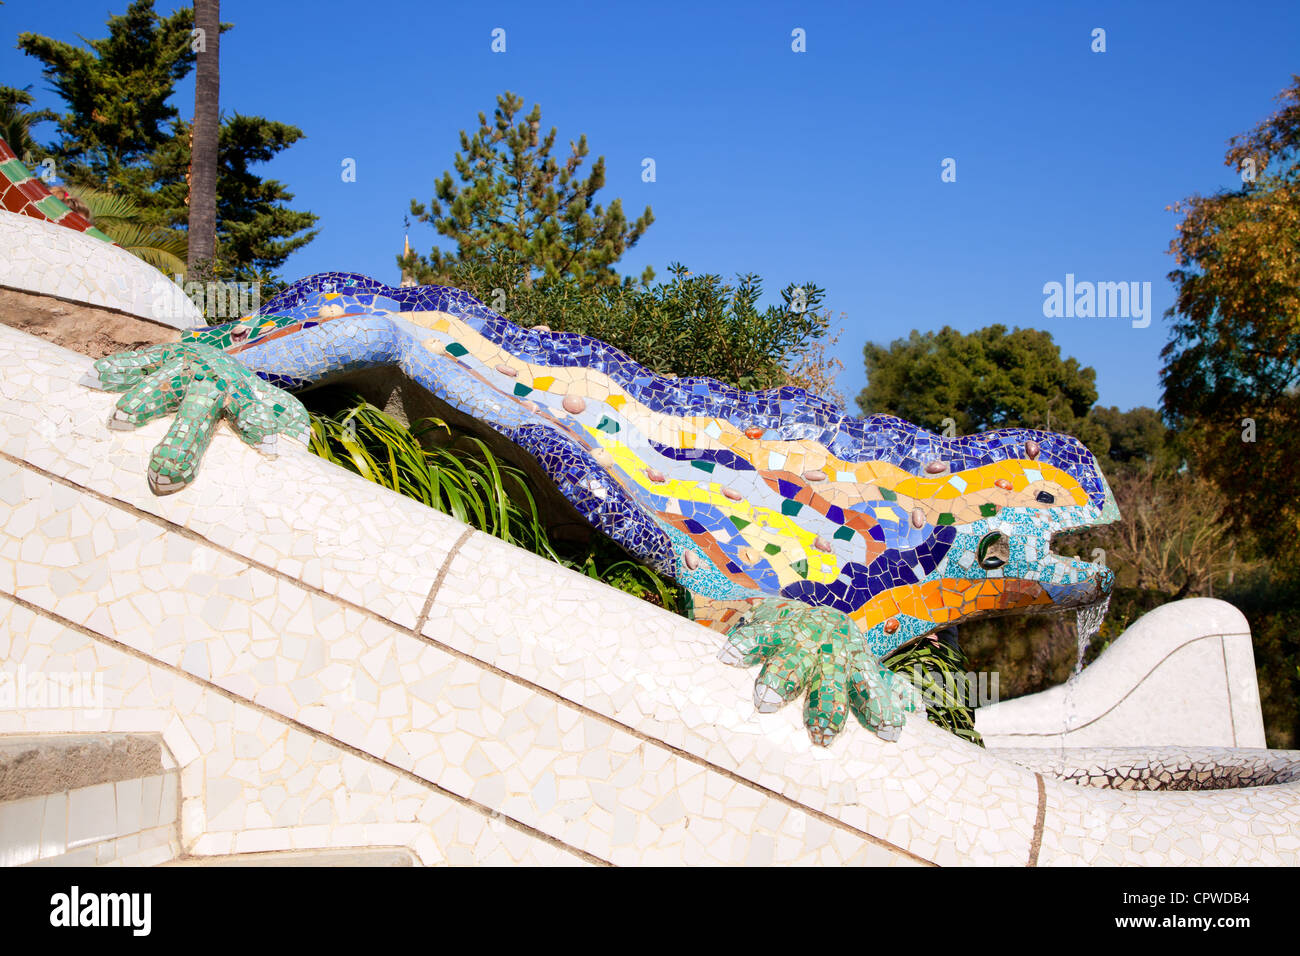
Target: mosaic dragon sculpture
x: 821, y: 542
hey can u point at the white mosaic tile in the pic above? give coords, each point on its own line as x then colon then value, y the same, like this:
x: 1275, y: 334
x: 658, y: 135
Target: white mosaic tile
x: 1182, y: 675
x: 49, y: 259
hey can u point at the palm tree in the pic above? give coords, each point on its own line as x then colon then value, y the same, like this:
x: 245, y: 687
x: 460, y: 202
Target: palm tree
x: 16, y: 121
x: 123, y: 221
x: 14, y: 129
x: 206, y: 130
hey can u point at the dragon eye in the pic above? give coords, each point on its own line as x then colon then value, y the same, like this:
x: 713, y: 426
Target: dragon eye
x: 994, y: 551
x: 1046, y: 497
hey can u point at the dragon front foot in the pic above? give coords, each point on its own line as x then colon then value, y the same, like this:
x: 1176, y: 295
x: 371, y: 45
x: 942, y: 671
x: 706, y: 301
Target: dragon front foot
x: 819, y: 649
x: 202, y: 385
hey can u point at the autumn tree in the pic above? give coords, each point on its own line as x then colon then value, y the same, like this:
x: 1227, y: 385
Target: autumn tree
x: 1232, y: 365
x: 510, y: 192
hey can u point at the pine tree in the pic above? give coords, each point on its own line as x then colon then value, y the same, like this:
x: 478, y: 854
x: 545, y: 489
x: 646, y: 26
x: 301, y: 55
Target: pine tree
x: 513, y: 194
x: 256, y: 230
x: 116, y: 89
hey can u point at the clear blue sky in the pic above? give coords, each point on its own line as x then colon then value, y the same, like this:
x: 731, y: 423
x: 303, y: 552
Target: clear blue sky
x: 822, y: 165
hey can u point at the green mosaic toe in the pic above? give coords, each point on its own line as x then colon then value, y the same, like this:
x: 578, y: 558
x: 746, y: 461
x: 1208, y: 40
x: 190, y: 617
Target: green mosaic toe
x: 819, y: 650
x: 149, y: 392
x: 878, y: 697
x: 201, y: 384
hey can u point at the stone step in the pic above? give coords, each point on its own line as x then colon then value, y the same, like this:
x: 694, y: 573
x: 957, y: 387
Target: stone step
x: 87, y: 800
x: 360, y: 856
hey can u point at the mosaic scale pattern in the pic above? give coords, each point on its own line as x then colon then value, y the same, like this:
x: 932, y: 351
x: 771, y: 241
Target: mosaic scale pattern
x: 743, y: 497
x: 24, y: 193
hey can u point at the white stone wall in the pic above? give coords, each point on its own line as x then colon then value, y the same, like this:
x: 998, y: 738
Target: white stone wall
x: 332, y: 665
x: 41, y: 257
x: 1182, y: 675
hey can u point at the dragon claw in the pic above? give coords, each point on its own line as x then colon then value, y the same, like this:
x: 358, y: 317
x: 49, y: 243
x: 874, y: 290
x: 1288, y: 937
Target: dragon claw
x: 819, y: 650
x: 202, y: 385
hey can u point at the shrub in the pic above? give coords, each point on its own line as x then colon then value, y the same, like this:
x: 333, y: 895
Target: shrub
x: 690, y: 325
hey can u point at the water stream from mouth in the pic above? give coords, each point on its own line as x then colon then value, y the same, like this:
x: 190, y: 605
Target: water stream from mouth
x: 1087, y: 624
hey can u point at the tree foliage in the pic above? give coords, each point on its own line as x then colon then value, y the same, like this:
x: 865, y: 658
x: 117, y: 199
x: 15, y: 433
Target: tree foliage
x: 1236, y: 331
x: 1169, y: 537
x: 511, y: 193
x: 116, y: 88
x: 17, y: 120
x: 1232, y: 365
x: 121, y: 134
x: 256, y: 229
x: 1136, y: 440
x: 690, y: 325
x: 986, y: 379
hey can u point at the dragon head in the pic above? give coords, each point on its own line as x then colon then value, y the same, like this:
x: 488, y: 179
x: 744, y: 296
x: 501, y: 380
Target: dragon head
x: 974, y: 538
x: 914, y: 531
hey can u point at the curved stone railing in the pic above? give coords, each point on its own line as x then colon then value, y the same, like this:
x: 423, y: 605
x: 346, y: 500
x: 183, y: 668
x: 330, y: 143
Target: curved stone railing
x: 1182, y: 675
x: 49, y: 249
x: 50, y: 259
x: 332, y: 665
x: 1163, y: 768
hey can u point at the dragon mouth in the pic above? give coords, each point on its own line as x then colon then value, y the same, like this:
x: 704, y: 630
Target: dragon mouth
x: 1071, y: 581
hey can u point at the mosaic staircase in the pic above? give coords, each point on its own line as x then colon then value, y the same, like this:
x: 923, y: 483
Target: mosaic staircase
x: 334, y: 668
x: 305, y: 669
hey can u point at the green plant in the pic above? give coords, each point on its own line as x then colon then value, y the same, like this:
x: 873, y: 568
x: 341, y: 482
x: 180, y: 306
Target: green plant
x: 124, y: 222
x: 605, y: 561
x: 693, y: 324
x: 474, y: 488
x: 940, y: 673
x: 460, y: 476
